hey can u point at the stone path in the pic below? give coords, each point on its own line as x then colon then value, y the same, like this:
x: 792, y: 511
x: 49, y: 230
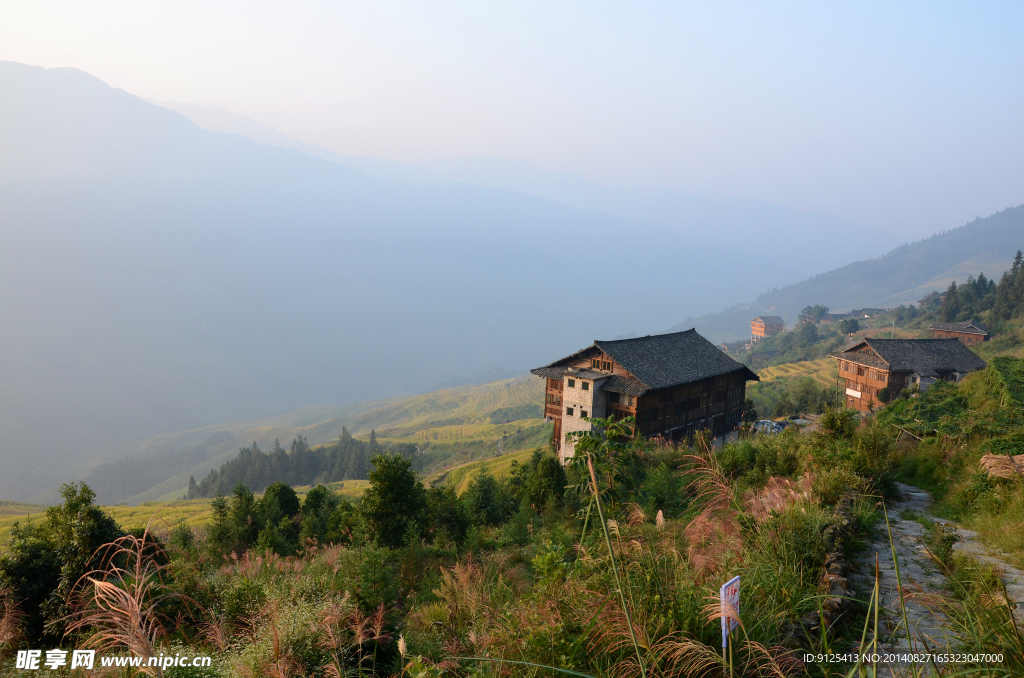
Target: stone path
x: 928, y: 630
x: 917, y: 571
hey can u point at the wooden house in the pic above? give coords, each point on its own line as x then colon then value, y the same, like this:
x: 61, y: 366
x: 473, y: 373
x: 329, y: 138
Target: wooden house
x: 870, y: 365
x: 967, y: 332
x: 765, y: 326
x: 672, y: 384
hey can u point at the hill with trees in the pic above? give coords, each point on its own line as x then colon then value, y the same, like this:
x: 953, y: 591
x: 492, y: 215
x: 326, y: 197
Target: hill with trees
x: 210, y: 278
x: 903, y: 276
x: 441, y: 429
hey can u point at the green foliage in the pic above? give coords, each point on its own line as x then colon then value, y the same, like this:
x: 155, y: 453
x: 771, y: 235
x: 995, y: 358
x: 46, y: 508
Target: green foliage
x: 538, y: 481
x: 44, y: 562
x: 813, y: 313
x: 300, y: 465
x: 753, y: 460
x: 394, y: 499
x: 486, y: 499
x: 838, y: 423
x: 849, y: 325
x: 279, y: 501
x: 448, y: 516
x: 749, y: 415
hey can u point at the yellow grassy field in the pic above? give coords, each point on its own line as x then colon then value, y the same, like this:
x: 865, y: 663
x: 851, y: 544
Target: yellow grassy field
x: 161, y: 516
x: 498, y: 467
x: 822, y: 371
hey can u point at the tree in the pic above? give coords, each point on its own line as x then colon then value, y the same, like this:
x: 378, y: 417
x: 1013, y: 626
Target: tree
x: 44, y: 563
x: 749, y: 411
x: 279, y: 500
x: 316, y: 514
x: 807, y: 333
x: 483, y: 497
x: 783, y: 407
x: 884, y: 395
x: 193, y: 488
x: 849, y: 326
x: 244, y: 519
x: 813, y: 313
x: 448, y: 515
x: 394, y: 499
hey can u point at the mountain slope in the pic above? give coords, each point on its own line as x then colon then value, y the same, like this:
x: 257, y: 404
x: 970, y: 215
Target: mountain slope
x: 448, y: 427
x: 159, y: 277
x: 902, y: 276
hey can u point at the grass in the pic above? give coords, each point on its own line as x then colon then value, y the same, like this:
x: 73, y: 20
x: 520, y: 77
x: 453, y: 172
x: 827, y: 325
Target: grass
x: 164, y: 515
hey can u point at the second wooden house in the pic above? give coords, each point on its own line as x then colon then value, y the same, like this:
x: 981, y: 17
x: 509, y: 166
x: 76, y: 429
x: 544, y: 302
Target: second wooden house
x: 871, y: 365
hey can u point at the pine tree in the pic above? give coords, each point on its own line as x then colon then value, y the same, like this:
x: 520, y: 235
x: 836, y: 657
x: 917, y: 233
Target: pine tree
x: 193, y: 488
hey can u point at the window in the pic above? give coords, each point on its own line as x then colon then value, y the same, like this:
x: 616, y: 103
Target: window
x: 583, y: 413
x: 568, y: 411
x: 613, y: 397
x: 586, y: 386
x: 595, y: 363
x: 572, y: 383
x: 607, y: 366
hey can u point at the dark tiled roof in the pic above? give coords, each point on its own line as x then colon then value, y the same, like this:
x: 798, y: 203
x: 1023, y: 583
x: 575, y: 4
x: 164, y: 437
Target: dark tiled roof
x: 657, y: 361
x: 663, y: 360
x: 968, y: 327
x: 862, y: 359
x: 770, y: 320
x: 923, y: 356
x: 620, y: 383
x: 617, y: 383
x: 549, y: 371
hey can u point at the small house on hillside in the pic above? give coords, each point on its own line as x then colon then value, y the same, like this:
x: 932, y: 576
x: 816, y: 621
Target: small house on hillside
x: 968, y: 332
x: 764, y: 326
x: 830, y: 318
x: 672, y: 384
x: 870, y: 365
x: 866, y: 312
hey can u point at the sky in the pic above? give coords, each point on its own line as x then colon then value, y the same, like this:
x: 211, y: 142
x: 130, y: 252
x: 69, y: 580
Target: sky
x: 896, y: 116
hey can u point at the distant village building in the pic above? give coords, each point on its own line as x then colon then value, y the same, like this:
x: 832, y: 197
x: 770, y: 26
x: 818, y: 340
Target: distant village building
x: 673, y: 384
x: 830, y: 318
x: 870, y: 365
x: 866, y: 313
x: 968, y: 332
x: 764, y: 326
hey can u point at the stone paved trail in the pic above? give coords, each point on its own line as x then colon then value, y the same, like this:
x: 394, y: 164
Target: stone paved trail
x: 929, y: 631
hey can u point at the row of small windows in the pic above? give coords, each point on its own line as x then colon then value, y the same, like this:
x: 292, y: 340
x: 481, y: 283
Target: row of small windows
x: 584, y: 385
x: 569, y: 411
x: 599, y: 364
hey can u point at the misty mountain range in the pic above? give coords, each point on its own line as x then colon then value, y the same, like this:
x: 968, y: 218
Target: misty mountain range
x: 158, y: 276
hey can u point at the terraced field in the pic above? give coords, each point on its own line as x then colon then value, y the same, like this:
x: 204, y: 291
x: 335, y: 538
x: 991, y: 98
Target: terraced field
x: 461, y: 475
x: 822, y: 371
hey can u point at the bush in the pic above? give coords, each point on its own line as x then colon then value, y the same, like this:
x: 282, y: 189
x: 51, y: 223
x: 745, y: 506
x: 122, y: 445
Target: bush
x: 44, y: 563
x: 838, y: 423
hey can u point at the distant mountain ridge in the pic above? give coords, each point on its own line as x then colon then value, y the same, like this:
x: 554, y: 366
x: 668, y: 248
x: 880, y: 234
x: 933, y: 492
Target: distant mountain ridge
x: 902, y: 276
x: 157, y: 276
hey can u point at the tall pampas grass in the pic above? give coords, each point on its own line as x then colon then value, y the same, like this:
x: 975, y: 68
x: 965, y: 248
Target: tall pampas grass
x: 119, y: 606
x: 11, y: 618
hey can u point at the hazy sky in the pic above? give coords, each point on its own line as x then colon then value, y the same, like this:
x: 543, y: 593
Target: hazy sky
x: 904, y: 117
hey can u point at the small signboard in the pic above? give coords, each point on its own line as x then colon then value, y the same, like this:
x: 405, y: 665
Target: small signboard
x: 729, y: 594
